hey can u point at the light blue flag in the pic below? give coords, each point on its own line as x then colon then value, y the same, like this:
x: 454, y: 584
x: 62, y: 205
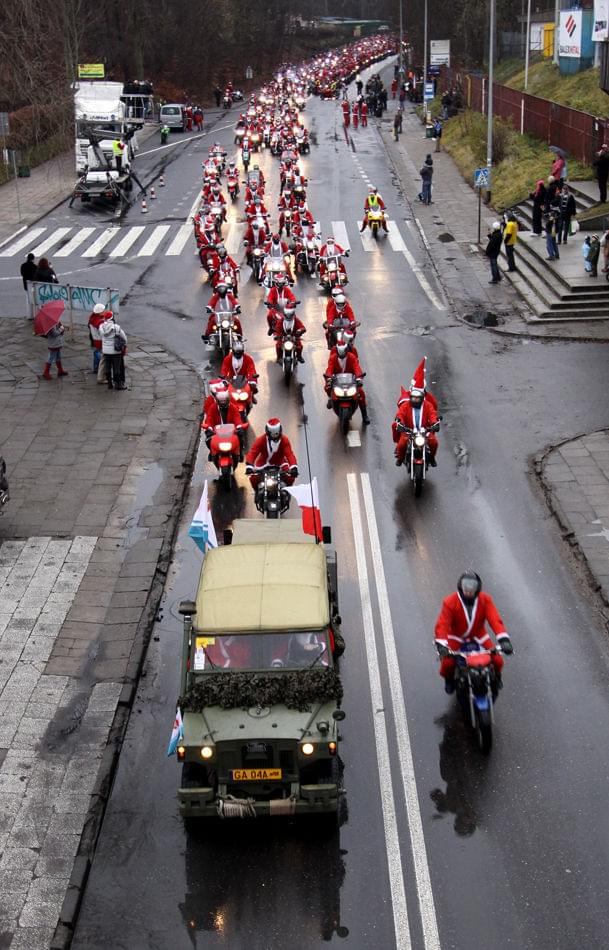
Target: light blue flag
x: 177, y: 733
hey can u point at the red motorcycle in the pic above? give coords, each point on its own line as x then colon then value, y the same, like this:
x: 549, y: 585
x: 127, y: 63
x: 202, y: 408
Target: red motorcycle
x: 225, y: 451
x: 344, y: 398
x: 232, y: 183
x: 242, y: 391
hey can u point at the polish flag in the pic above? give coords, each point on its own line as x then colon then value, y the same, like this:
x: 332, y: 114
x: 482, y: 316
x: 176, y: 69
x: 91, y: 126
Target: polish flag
x: 307, y: 498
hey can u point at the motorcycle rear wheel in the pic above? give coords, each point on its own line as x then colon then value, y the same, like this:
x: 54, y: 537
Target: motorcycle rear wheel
x: 484, y: 731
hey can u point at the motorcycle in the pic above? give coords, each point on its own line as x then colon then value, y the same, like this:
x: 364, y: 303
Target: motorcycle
x: 287, y: 222
x: 256, y: 263
x: 287, y: 356
x: 245, y: 155
x: 341, y: 328
x: 224, y: 331
x: 241, y: 392
x: 216, y: 211
x: 417, y: 454
x: 307, y: 255
x: 476, y: 688
x: 164, y: 134
x: 225, y: 451
x: 272, y: 500
x: 272, y: 266
x: 227, y: 100
x: 343, y: 394
x: 334, y: 276
x: 4, y: 492
x: 375, y: 217
x: 232, y: 183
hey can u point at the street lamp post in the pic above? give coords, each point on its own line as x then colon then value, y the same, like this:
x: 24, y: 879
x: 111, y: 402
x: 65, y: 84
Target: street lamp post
x: 489, y: 128
x: 425, y: 61
x: 528, y: 42
x: 400, y: 63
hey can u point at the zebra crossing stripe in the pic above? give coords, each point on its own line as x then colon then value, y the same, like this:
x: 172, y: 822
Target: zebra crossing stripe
x: 367, y: 240
x: 395, y: 238
x: 153, y: 241
x: 104, y: 238
x: 24, y: 241
x: 233, y: 241
x: 177, y: 245
x: 79, y: 238
x: 340, y: 234
x: 50, y: 240
x: 130, y: 238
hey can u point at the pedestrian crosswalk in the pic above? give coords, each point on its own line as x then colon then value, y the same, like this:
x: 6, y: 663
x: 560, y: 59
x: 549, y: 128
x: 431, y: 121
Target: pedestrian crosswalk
x: 116, y: 242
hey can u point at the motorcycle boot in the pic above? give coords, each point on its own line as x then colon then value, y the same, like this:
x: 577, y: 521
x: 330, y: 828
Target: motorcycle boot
x: 365, y: 416
x: 449, y: 686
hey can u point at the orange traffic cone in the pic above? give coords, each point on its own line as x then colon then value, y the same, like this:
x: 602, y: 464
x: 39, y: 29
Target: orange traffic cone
x: 144, y: 206
x: 152, y: 194
x: 162, y: 181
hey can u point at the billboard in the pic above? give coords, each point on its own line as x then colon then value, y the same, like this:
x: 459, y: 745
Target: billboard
x: 600, y: 31
x: 570, y: 34
x: 91, y: 71
x: 439, y: 53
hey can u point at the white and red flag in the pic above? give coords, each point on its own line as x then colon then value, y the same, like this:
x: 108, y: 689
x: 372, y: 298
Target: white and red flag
x: 307, y: 497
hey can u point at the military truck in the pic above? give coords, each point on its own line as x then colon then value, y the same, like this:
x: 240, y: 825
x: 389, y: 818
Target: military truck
x: 260, y: 688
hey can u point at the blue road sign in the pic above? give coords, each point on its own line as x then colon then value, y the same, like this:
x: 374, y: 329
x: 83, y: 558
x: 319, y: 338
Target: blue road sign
x: 481, y: 178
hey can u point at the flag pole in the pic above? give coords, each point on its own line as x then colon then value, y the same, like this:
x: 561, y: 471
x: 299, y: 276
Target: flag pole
x: 304, y: 423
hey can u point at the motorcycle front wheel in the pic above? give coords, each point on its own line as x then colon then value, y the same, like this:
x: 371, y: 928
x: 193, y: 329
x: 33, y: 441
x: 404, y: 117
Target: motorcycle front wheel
x: 417, y: 481
x: 226, y: 479
x: 484, y: 730
x: 343, y: 418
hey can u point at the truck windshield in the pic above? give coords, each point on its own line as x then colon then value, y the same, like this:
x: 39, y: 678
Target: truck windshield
x: 261, y: 651
x: 84, y: 127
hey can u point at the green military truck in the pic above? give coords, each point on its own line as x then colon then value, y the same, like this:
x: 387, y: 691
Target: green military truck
x: 260, y: 689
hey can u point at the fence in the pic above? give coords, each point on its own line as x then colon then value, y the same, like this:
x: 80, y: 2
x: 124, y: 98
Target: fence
x: 579, y: 133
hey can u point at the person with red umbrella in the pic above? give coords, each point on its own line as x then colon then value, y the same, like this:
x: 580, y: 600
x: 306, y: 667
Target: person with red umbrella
x: 47, y: 323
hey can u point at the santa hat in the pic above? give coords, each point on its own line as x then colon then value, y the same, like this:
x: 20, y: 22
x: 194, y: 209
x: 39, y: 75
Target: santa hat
x: 418, y: 378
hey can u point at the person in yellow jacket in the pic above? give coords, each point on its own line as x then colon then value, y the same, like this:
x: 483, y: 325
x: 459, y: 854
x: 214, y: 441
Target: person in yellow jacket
x: 510, y: 237
x: 118, y: 148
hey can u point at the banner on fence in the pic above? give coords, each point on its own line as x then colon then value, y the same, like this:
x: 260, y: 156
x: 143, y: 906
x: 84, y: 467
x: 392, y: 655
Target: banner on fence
x: 600, y: 29
x: 74, y: 298
x: 570, y: 34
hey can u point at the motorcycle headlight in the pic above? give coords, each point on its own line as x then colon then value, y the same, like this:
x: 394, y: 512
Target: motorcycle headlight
x: 288, y: 346
x: 332, y: 267
x: 351, y: 391
x: 242, y: 397
x: 225, y: 446
x: 257, y: 252
x: 310, y: 246
x: 419, y: 441
x: 339, y: 391
x: 225, y: 324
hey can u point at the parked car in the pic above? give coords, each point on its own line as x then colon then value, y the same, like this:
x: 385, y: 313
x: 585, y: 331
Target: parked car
x: 173, y: 115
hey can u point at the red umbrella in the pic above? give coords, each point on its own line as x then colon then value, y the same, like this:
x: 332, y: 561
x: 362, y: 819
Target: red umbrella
x: 48, y: 316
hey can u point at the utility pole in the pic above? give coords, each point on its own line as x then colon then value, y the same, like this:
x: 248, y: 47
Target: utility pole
x: 425, y: 62
x: 556, y: 31
x: 401, y: 43
x: 491, y: 66
x: 528, y: 42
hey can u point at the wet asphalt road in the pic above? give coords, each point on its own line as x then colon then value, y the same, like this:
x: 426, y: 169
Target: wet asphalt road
x: 517, y: 846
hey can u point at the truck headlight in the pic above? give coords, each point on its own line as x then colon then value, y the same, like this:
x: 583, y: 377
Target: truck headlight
x: 207, y: 752
x: 181, y: 753
x: 307, y: 748
x: 332, y: 747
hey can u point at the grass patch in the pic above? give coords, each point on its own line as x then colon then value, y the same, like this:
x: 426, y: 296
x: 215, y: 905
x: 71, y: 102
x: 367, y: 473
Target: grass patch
x: 578, y: 91
x: 524, y: 159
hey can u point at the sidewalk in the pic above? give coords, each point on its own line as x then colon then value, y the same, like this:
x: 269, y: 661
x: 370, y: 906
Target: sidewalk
x: 450, y: 229
x: 24, y: 200
x: 97, y: 479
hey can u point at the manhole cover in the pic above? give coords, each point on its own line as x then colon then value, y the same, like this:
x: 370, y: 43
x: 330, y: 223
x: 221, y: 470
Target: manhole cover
x: 483, y: 318
x: 445, y: 237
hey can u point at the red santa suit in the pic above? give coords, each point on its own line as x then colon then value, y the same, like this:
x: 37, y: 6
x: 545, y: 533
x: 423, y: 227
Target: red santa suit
x: 263, y: 452
x: 278, y: 299
x: 355, y: 114
x: 334, y: 251
x: 228, y: 415
x: 245, y: 366
x: 348, y: 363
x: 346, y: 113
x: 332, y: 311
x: 295, y: 326
x: 220, y: 305
x: 422, y: 417
x: 253, y: 210
x: 364, y: 114
x: 456, y: 626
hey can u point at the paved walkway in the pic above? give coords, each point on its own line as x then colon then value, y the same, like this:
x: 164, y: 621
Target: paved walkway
x: 96, y: 482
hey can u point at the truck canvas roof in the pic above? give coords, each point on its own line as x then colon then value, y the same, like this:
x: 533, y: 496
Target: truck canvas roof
x: 247, y: 588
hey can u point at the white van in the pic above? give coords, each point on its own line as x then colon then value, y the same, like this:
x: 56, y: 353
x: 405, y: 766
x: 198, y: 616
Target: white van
x: 172, y: 115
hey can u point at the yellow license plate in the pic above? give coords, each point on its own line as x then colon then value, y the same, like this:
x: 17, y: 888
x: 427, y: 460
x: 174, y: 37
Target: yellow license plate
x: 254, y: 775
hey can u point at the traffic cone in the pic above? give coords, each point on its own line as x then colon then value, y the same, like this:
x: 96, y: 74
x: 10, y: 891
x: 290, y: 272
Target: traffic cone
x: 152, y: 194
x: 162, y: 181
x: 144, y: 206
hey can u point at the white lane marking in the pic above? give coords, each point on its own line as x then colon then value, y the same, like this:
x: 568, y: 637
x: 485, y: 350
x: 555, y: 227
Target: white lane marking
x: 125, y: 243
x: 354, y: 440
x: 379, y: 719
x: 12, y: 237
x: 422, y: 233
x: 233, y: 241
x: 340, y: 234
x: 422, y: 279
x: 50, y: 240
x: 104, y: 238
x: 368, y: 241
x: 79, y: 238
x: 181, y: 140
x: 415, y: 824
x: 395, y: 238
x: 24, y: 241
x: 177, y: 245
x: 153, y: 241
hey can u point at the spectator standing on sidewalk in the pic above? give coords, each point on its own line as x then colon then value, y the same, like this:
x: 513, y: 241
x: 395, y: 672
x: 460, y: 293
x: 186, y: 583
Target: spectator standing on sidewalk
x: 397, y: 123
x: 54, y: 340
x: 601, y: 163
x: 605, y: 251
x: 426, y: 177
x: 567, y: 210
x: 558, y: 166
x: 437, y: 132
x: 95, y: 321
x: 551, y: 192
x: 590, y: 252
x: 492, y: 251
x: 114, y: 343
x: 510, y: 238
x: 45, y: 273
x: 551, y: 228
x: 538, y: 197
x: 28, y: 273
x: 217, y: 95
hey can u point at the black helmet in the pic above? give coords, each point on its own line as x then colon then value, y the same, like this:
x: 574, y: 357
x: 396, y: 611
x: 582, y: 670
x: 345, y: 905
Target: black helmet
x: 238, y: 348
x: 469, y: 586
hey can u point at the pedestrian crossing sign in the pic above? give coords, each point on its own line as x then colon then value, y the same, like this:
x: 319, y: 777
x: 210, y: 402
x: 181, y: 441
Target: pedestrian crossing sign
x: 481, y: 178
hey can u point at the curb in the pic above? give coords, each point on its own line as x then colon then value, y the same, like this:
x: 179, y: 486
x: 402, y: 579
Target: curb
x: 68, y: 917
x: 567, y: 530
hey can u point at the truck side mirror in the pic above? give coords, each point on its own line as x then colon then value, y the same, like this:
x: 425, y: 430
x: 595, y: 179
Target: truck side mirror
x: 338, y: 715
x: 187, y: 608
x: 326, y: 534
x: 227, y: 536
